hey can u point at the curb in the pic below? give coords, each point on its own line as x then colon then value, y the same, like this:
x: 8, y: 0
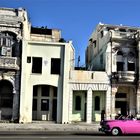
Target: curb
x: 48, y: 132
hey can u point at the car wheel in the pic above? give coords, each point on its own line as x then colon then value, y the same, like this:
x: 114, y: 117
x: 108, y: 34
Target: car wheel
x: 115, y: 131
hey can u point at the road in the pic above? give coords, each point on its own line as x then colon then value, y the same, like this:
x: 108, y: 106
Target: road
x: 67, y: 137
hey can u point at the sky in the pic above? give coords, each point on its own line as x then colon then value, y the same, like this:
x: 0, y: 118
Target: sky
x: 77, y: 19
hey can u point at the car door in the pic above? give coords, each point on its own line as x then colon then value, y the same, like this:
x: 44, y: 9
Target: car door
x: 132, y: 126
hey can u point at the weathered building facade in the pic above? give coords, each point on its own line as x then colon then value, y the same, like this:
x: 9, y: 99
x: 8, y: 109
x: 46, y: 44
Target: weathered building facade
x: 38, y: 81
x: 115, y: 50
x: 12, y: 25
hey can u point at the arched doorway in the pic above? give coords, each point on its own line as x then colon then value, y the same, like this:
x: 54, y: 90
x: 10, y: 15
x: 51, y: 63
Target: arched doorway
x: 44, y: 103
x: 6, y: 100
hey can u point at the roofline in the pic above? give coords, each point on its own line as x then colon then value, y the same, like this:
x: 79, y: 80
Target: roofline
x: 118, y: 26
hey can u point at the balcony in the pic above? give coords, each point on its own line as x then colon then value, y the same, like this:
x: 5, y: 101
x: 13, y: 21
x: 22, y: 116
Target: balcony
x: 80, y: 76
x: 124, y: 76
x: 9, y: 63
x: 118, y: 35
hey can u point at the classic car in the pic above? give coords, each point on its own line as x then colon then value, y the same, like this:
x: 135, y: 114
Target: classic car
x: 118, y: 127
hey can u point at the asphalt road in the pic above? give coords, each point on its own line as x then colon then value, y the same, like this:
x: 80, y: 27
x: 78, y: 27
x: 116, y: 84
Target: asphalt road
x: 67, y: 137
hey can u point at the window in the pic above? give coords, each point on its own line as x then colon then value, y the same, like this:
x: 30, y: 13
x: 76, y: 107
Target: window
x: 55, y: 66
x: 122, y: 30
x: 102, y: 33
x: 44, y: 104
x: 94, y: 43
x: 120, y: 66
x: 28, y: 59
x: 78, y: 103
x: 101, y: 58
x: 97, y: 103
x: 119, y: 53
x: 45, y: 91
x: 131, y: 61
x: 34, y: 104
x: 7, y: 41
x: 131, y: 66
x: 37, y: 65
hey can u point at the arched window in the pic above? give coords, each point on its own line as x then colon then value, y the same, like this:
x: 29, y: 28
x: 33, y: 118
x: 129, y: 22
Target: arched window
x: 97, y: 103
x: 7, y: 42
x: 78, y: 103
x: 120, y: 62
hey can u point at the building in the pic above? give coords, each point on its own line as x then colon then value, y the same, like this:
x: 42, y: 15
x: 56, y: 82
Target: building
x: 34, y: 70
x: 115, y: 50
x: 12, y: 24
x: 38, y: 81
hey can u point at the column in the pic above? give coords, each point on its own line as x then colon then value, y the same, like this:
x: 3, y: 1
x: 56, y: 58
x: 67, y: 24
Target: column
x: 132, y: 101
x: 59, y: 103
x: 113, y: 112
x: 70, y: 105
x: 108, y: 103
x: 138, y: 102
x: 89, y: 106
x: 15, y: 115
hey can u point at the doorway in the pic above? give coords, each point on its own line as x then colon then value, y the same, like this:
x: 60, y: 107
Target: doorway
x: 6, y: 100
x: 122, y: 107
x: 44, y: 106
x: 121, y: 103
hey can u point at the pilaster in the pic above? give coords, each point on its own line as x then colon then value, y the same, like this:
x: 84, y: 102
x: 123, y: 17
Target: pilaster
x: 113, y: 112
x: 138, y: 102
x: 70, y: 105
x: 108, y: 103
x: 89, y: 106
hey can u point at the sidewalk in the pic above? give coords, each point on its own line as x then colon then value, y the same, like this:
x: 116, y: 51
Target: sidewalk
x: 50, y: 127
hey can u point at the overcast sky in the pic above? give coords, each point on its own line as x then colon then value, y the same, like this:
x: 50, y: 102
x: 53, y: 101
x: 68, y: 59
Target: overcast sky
x: 78, y: 18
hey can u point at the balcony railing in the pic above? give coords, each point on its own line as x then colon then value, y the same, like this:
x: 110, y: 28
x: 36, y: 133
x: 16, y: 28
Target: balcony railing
x: 124, y: 76
x: 122, y: 35
x: 9, y: 63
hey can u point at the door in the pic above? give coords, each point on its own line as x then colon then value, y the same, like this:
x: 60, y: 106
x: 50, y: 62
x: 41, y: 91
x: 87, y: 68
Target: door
x: 122, y: 105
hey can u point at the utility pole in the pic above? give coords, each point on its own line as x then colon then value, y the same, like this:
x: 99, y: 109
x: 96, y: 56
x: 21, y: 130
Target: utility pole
x: 78, y: 61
